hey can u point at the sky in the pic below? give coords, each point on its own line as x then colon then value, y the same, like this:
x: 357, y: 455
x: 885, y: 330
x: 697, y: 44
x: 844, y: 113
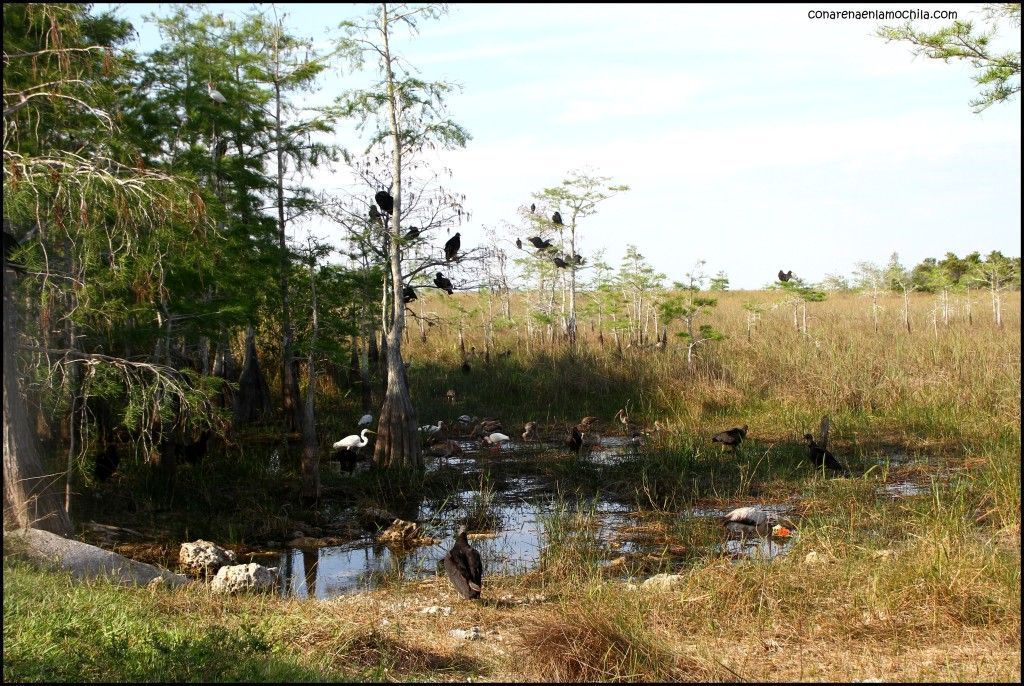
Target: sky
x: 751, y: 136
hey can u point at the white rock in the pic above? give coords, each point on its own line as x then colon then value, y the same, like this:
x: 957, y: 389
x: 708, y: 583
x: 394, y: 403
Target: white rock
x: 238, y: 578
x: 663, y: 582
x: 436, y: 610
x: 203, y: 556
x: 470, y: 634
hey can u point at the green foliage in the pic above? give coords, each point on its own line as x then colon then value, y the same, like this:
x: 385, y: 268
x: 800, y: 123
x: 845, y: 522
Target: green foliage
x: 998, y: 74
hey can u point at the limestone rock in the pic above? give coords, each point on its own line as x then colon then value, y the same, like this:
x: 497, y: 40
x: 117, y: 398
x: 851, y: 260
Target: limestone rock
x: 85, y: 561
x: 243, y: 578
x: 471, y: 634
x: 202, y: 556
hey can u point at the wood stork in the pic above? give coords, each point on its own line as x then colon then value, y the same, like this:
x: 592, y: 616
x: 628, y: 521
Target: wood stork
x: 451, y: 247
x: 464, y: 567
x: 365, y: 420
x: 752, y: 520
x: 215, y: 94
x: 730, y: 437
x: 353, y: 442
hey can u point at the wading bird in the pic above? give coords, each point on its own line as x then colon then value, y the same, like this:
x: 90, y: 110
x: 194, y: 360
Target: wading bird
x: 495, y: 440
x: 215, y: 94
x: 785, y: 276
x: 444, y: 284
x: 820, y: 456
x: 386, y: 202
x: 731, y: 437
x: 464, y: 567
x: 430, y: 429
x: 451, y: 248
x: 557, y: 218
x: 353, y: 442
x: 751, y: 520
x: 530, y: 432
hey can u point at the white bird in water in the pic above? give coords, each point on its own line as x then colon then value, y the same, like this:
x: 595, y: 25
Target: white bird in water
x: 215, y: 94
x: 495, y: 440
x: 353, y: 442
x: 431, y: 430
x: 365, y: 420
x: 751, y: 520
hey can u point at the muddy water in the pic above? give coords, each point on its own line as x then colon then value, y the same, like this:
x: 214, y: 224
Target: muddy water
x: 513, y: 545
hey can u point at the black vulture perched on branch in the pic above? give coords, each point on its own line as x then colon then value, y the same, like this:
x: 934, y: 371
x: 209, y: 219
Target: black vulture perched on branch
x: 451, y: 248
x: 519, y: 244
x: 444, y: 284
x: 560, y: 263
x: 386, y: 202
x: 533, y: 207
x: 464, y: 567
x: 785, y: 276
x: 731, y: 437
x: 408, y: 294
x: 557, y: 218
x: 374, y: 214
x: 413, y: 233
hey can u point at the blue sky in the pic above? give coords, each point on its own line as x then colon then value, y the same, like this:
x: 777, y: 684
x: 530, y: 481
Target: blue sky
x: 752, y: 137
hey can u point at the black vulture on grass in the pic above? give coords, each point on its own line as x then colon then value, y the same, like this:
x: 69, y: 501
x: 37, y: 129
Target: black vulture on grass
x: 386, y: 202
x: 822, y: 456
x: 444, y: 284
x: 451, y: 248
x: 464, y: 567
x: 731, y: 437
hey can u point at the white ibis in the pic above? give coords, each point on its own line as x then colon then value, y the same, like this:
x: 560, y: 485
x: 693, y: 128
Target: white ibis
x: 464, y: 567
x: 365, y: 420
x: 353, y: 442
x: 747, y: 520
x: 731, y: 437
x: 495, y: 440
x: 431, y: 430
x: 215, y: 94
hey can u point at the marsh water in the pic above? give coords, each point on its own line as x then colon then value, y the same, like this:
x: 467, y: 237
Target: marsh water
x: 516, y: 516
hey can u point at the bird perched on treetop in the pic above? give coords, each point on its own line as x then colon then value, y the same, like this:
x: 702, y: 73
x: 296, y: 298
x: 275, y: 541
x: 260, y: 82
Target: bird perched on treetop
x: 215, y: 94
x: 464, y: 567
x: 386, y: 202
x: 557, y: 218
x: 539, y: 243
x: 408, y: 294
x: 560, y: 263
x: 785, y: 276
x: 444, y: 284
x: 451, y: 248
x: 533, y: 207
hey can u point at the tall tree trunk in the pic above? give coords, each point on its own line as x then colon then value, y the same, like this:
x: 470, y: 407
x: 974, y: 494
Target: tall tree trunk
x: 310, y: 447
x: 253, y: 399
x: 31, y: 498
x: 398, y: 442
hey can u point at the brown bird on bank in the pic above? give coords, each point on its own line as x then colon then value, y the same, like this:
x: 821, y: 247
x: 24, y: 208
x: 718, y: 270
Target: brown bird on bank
x: 530, y: 432
x: 731, y: 437
x: 464, y: 567
x: 444, y: 448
